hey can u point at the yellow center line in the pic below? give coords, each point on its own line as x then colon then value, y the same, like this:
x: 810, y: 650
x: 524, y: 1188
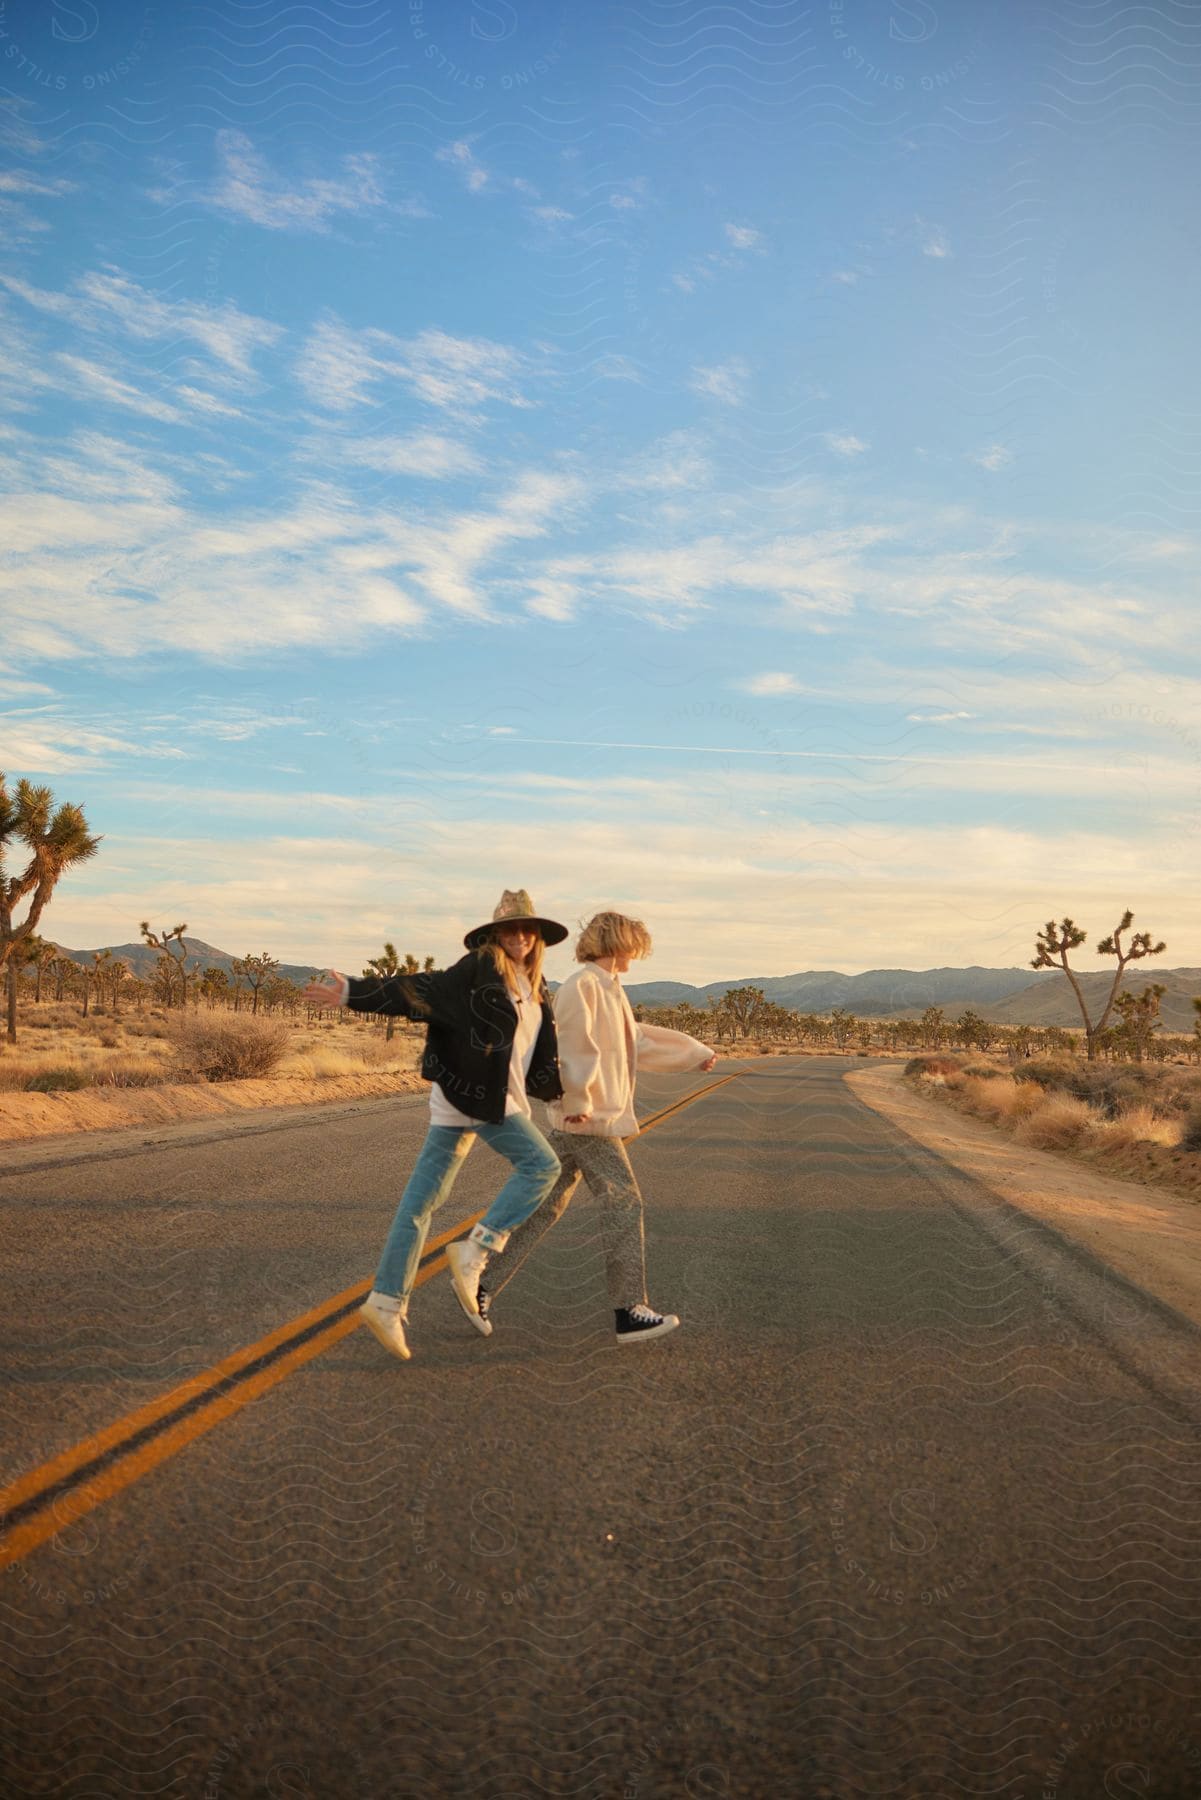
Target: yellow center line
x: 79, y: 1498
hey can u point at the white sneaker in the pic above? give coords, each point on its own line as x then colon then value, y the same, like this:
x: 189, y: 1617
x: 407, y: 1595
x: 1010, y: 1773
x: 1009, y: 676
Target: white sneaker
x: 382, y: 1316
x: 638, y: 1323
x: 466, y: 1261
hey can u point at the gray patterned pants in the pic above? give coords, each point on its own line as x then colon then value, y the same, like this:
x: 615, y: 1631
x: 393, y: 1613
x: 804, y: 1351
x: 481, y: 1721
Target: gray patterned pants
x: 603, y: 1163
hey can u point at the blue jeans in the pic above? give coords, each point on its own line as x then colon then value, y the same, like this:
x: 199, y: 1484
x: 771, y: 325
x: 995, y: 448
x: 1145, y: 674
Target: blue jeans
x: 535, y: 1171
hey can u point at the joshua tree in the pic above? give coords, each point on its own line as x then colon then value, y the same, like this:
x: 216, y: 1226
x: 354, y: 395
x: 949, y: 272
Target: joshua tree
x: 99, y: 972
x: 842, y: 1024
x: 255, y: 971
x: 1140, y: 1017
x: 60, y: 968
x: 172, y: 964
x: 55, y: 839
x: 384, y: 965
x: 214, y: 985
x: 741, y: 1007
x: 1054, y: 944
x: 45, y: 956
x: 118, y: 974
x: 933, y: 1027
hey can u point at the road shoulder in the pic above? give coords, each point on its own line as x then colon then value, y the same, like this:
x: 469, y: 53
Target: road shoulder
x: 1149, y: 1235
x: 29, y: 1116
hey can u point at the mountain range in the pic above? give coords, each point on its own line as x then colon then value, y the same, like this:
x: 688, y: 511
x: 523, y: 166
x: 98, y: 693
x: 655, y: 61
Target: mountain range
x: 143, y: 960
x: 877, y: 993
x: 1006, y: 996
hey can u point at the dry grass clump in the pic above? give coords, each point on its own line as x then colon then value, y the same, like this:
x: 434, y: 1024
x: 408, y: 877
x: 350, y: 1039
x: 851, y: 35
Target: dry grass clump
x: 1000, y: 1102
x: 1113, y: 1111
x: 932, y: 1065
x: 1190, y: 1135
x: 1058, y: 1122
x: 56, y: 1078
x: 1140, y: 1125
x: 229, y: 1047
x: 363, y: 1056
x: 49, y: 1068
x: 134, y: 1072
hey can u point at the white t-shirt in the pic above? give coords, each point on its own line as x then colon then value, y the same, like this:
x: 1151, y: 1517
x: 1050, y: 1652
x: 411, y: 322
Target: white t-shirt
x: 529, y: 1023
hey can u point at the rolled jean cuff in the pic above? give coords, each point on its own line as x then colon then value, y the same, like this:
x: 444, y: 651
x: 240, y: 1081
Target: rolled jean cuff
x: 491, y: 1240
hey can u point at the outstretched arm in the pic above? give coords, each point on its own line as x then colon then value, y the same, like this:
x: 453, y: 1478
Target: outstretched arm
x: 667, y: 1052
x: 430, y: 995
x: 330, y: 989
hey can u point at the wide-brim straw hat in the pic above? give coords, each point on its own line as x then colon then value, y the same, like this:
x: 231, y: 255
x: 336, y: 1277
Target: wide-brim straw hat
x: 516, y: 908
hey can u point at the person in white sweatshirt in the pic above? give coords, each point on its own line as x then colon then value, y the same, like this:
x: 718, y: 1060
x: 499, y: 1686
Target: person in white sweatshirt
x: 601, y: 1048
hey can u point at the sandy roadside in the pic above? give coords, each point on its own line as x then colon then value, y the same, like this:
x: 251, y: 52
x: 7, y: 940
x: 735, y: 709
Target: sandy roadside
x: 25, y: 1116
x: 1150, y: 1235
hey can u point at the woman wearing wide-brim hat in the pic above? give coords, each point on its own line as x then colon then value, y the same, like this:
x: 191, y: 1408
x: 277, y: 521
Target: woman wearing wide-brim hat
x: 490, y: 1044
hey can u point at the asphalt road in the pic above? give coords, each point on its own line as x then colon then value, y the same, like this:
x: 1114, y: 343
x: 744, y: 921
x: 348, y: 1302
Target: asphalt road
x: 903, y: 1509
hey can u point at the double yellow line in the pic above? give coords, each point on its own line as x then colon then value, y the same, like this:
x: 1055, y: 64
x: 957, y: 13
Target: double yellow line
x: 48, y: 1499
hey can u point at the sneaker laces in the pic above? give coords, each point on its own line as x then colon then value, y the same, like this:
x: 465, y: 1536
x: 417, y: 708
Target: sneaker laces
x: 646, y: 1315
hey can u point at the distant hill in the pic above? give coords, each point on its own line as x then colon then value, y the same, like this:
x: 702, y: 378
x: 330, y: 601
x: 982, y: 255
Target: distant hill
x: 878, y: 993
x: 1052, y: 1002
x: 143, y: 960
x: 1008, y: 996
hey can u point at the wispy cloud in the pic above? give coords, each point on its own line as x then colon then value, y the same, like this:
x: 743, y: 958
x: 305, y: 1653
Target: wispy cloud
x: 104, y: 385
x: 726, y: 382
x: 14, y: 181
x: 462, y: 157
x: 338, y: 368
x: 109, y: 301
x: 480, y: 179
x: 248, y: 188
x: 775, y: 684
x: 993, y: 457
x: 845, y: 443
x: 742, y: 242
x: 423, y: 454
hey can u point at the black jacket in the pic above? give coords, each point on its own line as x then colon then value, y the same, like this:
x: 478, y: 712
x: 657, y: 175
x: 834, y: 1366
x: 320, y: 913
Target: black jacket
x: 471, y: 1025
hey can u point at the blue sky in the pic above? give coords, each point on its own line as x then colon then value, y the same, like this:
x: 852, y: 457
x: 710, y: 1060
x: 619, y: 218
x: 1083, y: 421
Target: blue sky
x: 732, y: 464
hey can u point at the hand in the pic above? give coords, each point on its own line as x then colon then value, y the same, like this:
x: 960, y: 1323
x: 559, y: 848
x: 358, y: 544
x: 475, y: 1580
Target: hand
x: 706, y: 1066
x: 324, y: 991
x: 577, y: 1118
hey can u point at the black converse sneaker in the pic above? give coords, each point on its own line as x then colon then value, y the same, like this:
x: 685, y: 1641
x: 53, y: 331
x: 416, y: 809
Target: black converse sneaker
x: 637, y: 1323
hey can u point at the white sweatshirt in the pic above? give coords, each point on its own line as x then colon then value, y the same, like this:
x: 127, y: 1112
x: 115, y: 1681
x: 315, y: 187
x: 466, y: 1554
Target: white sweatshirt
x: 601, y: 1048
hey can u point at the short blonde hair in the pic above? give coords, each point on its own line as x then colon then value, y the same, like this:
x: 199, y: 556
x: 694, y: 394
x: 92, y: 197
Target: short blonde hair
x: 612, y: 934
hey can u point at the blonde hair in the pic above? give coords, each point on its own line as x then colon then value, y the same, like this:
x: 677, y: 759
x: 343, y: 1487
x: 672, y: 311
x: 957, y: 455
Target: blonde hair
x: 612, y: 934
x: 508, y: 970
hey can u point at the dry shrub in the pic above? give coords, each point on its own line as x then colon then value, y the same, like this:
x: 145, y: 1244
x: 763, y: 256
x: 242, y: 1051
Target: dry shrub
x: 986, y: 1099
x: 133, y: 1072
x: 1190, y: 1136
x: 932, y: 1065
x: 1058, y: 1124
x: 230, y: 1048
x: 58, y: 1078
x: 1004, y: 1102
x: 1140, y: 1125
x: 1048, y: 1073
x: 322, y: 1064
